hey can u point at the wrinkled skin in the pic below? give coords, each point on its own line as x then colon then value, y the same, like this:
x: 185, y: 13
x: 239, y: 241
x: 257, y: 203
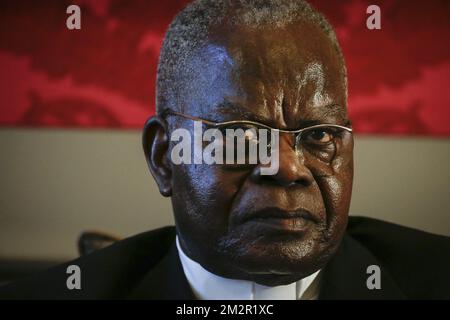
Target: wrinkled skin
x: 284, y: 77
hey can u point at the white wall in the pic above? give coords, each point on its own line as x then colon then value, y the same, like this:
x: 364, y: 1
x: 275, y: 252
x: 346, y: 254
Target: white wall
x: 56, y: 183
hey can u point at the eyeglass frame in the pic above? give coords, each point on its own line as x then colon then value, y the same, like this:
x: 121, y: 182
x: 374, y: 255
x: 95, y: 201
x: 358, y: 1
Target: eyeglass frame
x: 297, y: 133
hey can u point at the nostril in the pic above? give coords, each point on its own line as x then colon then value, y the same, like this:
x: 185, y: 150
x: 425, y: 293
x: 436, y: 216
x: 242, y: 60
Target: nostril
x: 306, y: 181
x: 299, y: 182
x: 287, y: 176
x: 284, y: 180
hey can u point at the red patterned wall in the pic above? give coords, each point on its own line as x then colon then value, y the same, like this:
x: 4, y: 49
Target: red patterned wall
x: 104, y: 74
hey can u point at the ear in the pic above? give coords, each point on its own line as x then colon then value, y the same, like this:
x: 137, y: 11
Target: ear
x: 156, y: 147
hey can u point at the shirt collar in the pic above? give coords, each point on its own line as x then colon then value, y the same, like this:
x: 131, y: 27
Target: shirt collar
x: 208, y: 286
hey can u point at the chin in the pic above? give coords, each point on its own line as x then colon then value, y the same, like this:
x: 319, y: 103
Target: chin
x: 279, y: 259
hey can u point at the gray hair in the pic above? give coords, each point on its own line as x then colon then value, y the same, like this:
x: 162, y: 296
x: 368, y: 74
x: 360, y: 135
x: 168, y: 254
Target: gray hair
x: 190, y: 29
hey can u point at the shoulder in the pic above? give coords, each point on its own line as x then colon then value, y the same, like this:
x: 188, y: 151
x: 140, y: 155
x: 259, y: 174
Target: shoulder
x: 418, y: 261
x: 107, y: 273
x: 390, y: 236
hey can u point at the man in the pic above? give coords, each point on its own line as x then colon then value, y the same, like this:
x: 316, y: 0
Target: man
x: 241, y: 234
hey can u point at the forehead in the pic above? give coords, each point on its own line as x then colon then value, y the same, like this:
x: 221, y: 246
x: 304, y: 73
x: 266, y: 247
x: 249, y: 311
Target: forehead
x: 281, y: 76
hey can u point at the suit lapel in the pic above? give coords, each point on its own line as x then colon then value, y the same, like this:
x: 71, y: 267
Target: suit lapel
x: 345, y: 276
x: 166, y: 281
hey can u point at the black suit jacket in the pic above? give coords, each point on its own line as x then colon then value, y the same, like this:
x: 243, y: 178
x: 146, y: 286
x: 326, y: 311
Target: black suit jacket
x: 414, y: 265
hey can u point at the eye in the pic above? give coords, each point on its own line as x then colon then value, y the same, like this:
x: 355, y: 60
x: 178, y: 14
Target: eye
x: 250, y: 134
x: 319, y: 136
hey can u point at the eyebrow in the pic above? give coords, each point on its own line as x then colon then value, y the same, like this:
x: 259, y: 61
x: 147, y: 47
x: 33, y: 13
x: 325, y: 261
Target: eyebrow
x: 227, y: 108
x: 335, y: 110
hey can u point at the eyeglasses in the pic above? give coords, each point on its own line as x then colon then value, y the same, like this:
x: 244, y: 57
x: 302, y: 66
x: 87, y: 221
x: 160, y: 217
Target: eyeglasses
x: 320, y: 141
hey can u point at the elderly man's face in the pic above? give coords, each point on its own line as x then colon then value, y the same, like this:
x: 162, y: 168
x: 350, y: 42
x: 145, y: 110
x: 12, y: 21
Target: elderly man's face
x: 287, y: 78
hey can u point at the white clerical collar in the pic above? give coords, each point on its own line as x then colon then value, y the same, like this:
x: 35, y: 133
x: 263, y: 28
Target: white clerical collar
x: 208, y: 286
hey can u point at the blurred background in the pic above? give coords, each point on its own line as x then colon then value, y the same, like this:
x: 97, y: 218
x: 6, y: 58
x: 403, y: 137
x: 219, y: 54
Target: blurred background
x: 73, y: 102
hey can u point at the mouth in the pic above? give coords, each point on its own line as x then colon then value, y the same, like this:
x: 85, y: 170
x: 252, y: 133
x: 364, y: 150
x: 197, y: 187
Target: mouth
x: 282, y: 220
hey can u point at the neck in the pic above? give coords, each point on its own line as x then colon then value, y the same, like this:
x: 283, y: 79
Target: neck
x: 207, y: 285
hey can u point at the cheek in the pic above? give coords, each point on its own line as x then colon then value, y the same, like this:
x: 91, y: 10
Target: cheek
x: 336, y: 191
x: 336, y: 197
x: 202, y: 196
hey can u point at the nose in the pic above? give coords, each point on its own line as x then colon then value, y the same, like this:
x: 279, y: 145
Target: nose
x: 292, y: 169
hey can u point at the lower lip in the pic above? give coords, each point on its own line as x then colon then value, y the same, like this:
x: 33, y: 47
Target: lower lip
x: 284, y: 224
